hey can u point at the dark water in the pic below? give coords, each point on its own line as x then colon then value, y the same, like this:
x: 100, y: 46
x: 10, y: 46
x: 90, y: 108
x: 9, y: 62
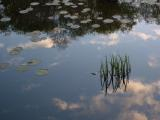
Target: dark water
x: 51, y: 53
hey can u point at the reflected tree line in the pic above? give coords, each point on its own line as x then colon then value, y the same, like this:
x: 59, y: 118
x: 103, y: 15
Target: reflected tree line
x: 38, y: 18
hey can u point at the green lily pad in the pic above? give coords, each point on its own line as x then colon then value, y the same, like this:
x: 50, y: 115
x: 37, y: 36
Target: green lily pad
x: 22, y: 68
x: 95, y: 26
x: 125, y: 21
x: 33, y: 62
x: 15, y: 51
x: 34, y: 3
x: 108, y: 21
x: 63, y: 12
x: 42, y: 72
x: 5, y: 19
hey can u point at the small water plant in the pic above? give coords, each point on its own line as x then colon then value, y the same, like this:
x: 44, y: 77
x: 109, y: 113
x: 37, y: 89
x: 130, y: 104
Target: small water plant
x: 115, y: 72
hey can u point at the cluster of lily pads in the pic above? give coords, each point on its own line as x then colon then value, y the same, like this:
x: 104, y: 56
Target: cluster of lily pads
x: 26, y: 67
x: 4, y: 18
x: 65, y: 9
x: 30, y: 8
x: 115, y: 72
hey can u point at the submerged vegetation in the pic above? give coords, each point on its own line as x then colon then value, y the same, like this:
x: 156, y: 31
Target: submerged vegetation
x: 115, y: 72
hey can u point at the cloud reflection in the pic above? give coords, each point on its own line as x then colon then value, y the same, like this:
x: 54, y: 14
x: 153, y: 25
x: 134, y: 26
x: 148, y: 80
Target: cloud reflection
x: 153, y: 62
x: 45, y: 43
x: 62, y: 105
x: 133, y: 115
x: 131, y: 105
x: 102, y: 39
x: 157, y: 31
x: 142, y: 35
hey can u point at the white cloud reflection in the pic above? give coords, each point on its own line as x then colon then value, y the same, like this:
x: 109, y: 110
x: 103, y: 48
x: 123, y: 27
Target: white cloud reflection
x: 157, y: 31
x: 153, y: 62
x: 102, y: 39
x: 45, y: 43
x: 62, y: 105
x: 131, y: 105
x: 133, y: 115
x: 142, y: 35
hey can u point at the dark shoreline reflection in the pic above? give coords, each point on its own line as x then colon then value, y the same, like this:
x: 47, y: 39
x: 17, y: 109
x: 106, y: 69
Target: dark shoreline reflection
x: 37, y: 19
x: 115, y: 72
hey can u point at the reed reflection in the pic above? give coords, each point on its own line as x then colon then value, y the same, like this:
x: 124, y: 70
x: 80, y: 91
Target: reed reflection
x: 115, y: 72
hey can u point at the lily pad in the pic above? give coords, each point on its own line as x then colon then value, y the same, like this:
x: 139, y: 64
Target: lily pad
x: 5, y: 19
x: 86, y: 10
x: 50, y: 17
x: 67, y: 16
x: 108, y: 21
x: 95, y: 26
x: 84, y: 22
x: 74, y: 6
x: 63, y: 12
x: 33, y: 62
x: 59, y: 7
x: 34, y: 3
x: 42, y: 72
x: 4, y: 66
x: 73, y: 17
x: 69, y: 24
x: 26, y: 10
x: 125, y: 21
x: 80, y: 3
x: 15, y: 51
x: 22, y: 68
x: 55, y: 3
x: 99, y: 18
x: 75, y: 26
x: 118, y: 17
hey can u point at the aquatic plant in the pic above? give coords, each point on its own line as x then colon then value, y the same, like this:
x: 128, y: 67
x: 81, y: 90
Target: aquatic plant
x: 115, y: 72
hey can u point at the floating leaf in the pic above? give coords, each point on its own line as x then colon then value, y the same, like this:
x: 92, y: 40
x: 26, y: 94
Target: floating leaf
x: 84, y: 22
x: 99, y: 18
x: 15, y: 51
x: 80, y: 3
x: 69, y: 24
x: 108, y: 21
x: 74, y: 6
x: 34, y: 3
x: 26, y: 10
x: 118, y: 17
x: 33, y: 62
x: 22, y: 68
x: 50, y: 17
x: 63, y: 12
x: 74, y: 17
x: 86, y: 10
x: 5, y: 19
x: 95, y: 26
x: 42, y: 72
x: 125, y: 21
x: 75, y: 26
x: 56, y: 3
x: 67, y: 16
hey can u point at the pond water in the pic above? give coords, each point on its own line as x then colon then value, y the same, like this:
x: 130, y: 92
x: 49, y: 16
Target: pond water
x: 51, y: 53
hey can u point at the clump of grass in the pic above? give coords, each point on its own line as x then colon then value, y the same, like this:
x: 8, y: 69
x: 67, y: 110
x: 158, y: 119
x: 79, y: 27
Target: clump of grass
x: 115, y: 72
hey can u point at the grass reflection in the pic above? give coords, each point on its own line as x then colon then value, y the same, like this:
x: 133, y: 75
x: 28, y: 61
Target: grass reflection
x: 115, y: 72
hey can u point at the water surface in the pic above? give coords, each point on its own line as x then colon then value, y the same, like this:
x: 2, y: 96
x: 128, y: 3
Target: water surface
x: 51, y: 53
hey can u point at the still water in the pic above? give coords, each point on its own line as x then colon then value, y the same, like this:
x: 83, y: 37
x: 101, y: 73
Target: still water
x: 51, y: 53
